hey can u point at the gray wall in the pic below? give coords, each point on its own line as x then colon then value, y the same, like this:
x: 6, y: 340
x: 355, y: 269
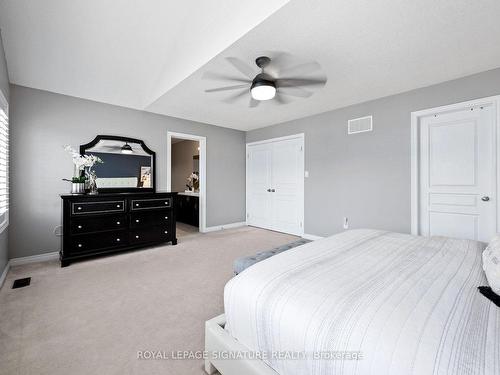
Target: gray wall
x: 182, y: 163
x: 4, y: 87
x: 366, y: 177
x: 43, y: 122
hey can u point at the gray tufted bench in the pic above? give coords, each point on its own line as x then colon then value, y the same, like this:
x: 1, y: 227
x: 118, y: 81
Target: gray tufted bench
x: 240, y: 264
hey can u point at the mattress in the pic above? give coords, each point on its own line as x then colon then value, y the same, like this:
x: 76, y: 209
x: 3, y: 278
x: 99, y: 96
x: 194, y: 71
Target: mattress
x: 368, y: 302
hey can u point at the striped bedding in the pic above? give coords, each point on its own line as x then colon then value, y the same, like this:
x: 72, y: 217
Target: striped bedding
x: 406, y: 304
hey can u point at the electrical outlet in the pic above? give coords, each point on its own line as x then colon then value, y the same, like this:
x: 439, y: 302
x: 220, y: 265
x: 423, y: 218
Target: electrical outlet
x: 58, y: 231
x: 346, y: 223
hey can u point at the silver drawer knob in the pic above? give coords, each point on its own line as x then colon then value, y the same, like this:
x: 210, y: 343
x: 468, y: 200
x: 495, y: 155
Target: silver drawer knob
x: 166, y: 217
x: 136, y: 220
x: 78, y: 208
x: 166, y: 232
x: 166, y: 202
x: 137, y: 204
x: 79, y: 227
x: 136, y: 236
x: 117, y: 240
x: 118, y: 223
x: 79, y: 245
x: 117, y: 206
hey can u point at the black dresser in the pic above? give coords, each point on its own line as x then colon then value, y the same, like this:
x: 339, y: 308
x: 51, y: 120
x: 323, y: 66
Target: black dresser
x: 107, y: 223
x: 187, y: 208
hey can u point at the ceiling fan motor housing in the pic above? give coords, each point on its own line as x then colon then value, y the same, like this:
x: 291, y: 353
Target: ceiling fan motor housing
x: 262, y: 79
x: 263, y: 87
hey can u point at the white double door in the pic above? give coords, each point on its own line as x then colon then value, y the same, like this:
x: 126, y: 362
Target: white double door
x: 275, y: 185
x: 458, y: 174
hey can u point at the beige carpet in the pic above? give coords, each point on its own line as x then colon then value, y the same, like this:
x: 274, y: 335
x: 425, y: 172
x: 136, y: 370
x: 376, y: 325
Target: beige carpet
x: 94, y: 316
x: 183, y: 230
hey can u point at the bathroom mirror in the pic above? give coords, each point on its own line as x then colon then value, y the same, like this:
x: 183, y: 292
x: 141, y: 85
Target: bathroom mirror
x: 128, y: 164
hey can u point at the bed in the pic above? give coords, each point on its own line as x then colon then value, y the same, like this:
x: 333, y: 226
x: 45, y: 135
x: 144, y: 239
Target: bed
x: 377, y: 302
x: 116, y: 182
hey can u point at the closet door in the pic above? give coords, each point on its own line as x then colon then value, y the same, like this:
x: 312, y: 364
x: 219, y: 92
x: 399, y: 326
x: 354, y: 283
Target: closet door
x: 259, y: 207
x: 275, y: 185
x: 287, y: 185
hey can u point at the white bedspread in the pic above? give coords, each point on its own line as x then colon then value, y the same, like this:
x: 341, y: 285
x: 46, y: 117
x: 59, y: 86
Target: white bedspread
x: 409, y: 304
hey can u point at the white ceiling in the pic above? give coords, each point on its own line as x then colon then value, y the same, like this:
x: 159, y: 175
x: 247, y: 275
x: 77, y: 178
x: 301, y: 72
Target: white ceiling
x: 124, y: 52
x: 152, y: 56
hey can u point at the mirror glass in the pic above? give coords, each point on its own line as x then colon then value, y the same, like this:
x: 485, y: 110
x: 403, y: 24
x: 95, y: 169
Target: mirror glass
x: 125, y: 165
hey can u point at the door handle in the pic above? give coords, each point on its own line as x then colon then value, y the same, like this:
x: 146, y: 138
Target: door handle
x: 268, y: 190
x: 485, y: 199
x: 272, y: 190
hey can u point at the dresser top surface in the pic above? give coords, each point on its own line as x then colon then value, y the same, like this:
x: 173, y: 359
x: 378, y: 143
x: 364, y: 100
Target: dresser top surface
x: 117, y: 195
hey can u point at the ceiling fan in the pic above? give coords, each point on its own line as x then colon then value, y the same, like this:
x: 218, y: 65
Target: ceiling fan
x: 124, y: 149
x: 275, y: 81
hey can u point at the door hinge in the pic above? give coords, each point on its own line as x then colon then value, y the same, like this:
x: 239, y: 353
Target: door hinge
x: 301, y: 148
x: 301, y: 224
x: 248, y: 216
x: 248, y: 156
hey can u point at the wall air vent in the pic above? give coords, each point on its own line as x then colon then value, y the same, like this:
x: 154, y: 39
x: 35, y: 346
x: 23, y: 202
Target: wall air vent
x: 360, y: 125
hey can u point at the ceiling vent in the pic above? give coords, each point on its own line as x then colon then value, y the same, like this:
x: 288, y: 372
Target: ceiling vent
x: 360, y: 125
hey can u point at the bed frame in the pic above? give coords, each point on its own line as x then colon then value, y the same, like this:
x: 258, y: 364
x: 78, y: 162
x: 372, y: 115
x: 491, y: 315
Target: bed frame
x: 217, y: 339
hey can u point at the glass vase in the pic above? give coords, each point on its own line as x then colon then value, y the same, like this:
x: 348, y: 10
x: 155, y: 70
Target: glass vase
x: 92, y: 181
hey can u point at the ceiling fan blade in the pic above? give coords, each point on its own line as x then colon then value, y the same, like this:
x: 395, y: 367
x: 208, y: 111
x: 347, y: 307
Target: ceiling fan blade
x: 292, y: 82
x: 295, y: 91
x: 300, y: 69
x: 280, y: 58
x: 280, y: 99
x: 222, y: 77
x: 227, y: 88
x: 278, y: 61
x: 242, y: 67
x: 253, y: 103
x: 235, y: 97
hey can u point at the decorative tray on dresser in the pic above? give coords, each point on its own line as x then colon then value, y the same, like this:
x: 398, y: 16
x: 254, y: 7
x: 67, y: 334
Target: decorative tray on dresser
x: 114, y: 222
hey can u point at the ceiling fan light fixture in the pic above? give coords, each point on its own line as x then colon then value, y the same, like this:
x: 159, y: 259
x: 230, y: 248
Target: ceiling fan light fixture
x: 263, y: 89
x: 126, y: 149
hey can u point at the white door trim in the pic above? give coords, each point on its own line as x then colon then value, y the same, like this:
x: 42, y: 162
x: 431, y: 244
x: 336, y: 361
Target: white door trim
x: 300, y: 136
x: 203, y: 171
x: 494, y: 101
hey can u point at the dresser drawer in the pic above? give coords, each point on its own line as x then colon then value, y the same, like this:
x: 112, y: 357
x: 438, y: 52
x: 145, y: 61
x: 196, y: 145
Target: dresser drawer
x: 98, y: 241
x: 82, y: 208
x: 155, y: 234
x: 148, y: 219
x: 97, y: 223
x: 148, y: 204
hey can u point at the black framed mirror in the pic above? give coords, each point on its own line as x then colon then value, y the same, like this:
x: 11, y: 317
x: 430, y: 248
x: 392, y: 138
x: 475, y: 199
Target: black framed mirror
x: 128, y: 164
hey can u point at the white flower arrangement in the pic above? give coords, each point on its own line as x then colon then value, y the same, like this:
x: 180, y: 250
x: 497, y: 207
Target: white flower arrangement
x: 192, y: 181
x: 193, y: 177
x: 81, y: 161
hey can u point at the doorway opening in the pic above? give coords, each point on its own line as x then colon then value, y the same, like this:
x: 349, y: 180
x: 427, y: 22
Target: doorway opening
x: 186, y: 175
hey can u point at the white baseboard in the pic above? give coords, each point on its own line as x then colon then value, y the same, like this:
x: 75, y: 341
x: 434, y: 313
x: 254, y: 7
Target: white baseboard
x: 311, y: 237
x: 225, y: 226
x: 4, y: 274
x: 35, y: 258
